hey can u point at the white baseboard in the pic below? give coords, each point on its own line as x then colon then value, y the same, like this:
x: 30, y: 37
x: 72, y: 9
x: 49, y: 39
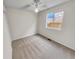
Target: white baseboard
x: 24, y: 36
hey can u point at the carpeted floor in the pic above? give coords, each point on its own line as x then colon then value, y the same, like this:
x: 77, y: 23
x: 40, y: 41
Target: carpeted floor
x: 38, y: 47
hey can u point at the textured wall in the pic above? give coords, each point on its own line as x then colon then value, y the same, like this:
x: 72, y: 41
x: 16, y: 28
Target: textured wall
x: 66, y: 35
x: 22, y: 23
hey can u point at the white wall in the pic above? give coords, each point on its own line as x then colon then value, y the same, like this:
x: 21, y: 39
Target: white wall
x: 6, y: 40
x: 66, y: 35
x: 22, y: 23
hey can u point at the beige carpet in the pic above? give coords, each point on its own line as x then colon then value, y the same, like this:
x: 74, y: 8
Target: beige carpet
x: 37, y: 47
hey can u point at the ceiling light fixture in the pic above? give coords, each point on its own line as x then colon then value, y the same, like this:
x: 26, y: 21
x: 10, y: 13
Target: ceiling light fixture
x: 36, y: 5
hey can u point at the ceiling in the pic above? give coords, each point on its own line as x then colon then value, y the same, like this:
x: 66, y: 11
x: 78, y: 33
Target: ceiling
x: 45, y: 4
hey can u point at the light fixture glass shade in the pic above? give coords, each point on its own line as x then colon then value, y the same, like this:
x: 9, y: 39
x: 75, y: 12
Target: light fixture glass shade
x: 36, y: 10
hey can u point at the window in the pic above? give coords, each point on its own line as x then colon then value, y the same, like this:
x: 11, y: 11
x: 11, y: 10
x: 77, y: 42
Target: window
x: 54, y: 20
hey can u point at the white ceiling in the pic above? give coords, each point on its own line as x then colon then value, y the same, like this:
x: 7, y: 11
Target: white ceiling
x: 44, y: 4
